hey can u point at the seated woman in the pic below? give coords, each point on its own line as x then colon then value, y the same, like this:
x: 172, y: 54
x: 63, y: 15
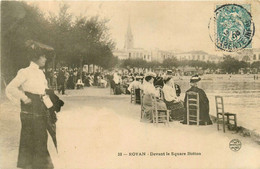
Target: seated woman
x: 149, y: 90
x: 172, y: 101
x: 203, y: 102
x: 136, y: 85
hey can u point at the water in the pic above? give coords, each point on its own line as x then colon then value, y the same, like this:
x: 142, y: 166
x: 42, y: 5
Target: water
x: 241, y: 95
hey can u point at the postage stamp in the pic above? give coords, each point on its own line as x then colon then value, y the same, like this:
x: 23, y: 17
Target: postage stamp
x: 234, y: 28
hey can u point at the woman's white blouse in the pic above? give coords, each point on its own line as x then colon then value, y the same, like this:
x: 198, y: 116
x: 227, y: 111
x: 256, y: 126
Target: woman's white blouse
x: 30, y: 79
x: 116, y: 78
x: 150, y: 89
x: 169, y: 93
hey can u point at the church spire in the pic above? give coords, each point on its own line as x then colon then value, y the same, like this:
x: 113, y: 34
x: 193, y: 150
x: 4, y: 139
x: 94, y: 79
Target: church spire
x: 129, y: 39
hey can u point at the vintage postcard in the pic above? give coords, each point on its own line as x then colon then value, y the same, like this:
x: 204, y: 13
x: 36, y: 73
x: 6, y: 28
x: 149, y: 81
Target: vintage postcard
x: 130, y: 85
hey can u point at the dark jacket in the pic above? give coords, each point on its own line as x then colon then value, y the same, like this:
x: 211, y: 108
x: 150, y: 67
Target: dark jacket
x: 204, y: 106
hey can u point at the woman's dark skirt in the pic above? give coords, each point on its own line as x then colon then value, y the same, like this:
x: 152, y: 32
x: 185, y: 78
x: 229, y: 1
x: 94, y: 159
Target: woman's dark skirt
x: 117, y: 89
x: 33, y: 150
x: 177, y: 110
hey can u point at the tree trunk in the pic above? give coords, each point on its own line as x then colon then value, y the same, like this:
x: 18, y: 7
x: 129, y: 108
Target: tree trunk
x: 53, y: 68
x: 81, y: 66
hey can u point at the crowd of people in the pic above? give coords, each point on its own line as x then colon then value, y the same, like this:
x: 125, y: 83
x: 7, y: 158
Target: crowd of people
x: 149, y: 83
x: 152, y: 84
x: 64, y: 78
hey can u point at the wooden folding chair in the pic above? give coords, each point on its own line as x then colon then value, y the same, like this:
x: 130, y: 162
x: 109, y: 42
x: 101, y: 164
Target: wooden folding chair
x: 159, y: 115
x: 221, y: 114
x: 132, y: 93
x: 142, y: 105
x: 193, y: 108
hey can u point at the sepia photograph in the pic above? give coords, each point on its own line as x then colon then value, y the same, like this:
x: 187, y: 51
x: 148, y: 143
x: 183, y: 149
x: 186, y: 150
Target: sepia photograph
x: 130, y: 84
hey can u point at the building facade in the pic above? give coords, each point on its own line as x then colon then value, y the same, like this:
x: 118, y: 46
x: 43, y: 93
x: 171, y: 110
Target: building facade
x: 198, y: 55
x: 248, y: 55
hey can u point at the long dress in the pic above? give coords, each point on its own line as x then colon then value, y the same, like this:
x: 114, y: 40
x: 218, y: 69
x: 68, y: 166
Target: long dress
x: 117, y: 80
x: 33, y: 150
x: 150, y: 90
x: 170, y: 99
x: 204, y: 107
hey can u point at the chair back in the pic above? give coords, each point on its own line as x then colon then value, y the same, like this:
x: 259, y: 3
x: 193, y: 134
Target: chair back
x: 193, y: 108
x: 154, y: 106
x: 132, y: 95
x: 142, y: 105
x: 132, y: 91
x: 219, y: 105
x: 154, y: 109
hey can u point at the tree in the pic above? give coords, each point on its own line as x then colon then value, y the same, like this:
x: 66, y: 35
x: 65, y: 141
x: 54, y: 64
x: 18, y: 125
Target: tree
x: 211, y: 66
x: 153, y: 64
x: 61, y: 35
x: 19, y: 23
x: 135, y: 63
x: 256, y: 65
x: 231, y: 65
x: 84, y: 41
x: 170, y: 63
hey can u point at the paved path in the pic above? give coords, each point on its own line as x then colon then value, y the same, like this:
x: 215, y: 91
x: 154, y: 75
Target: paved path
x: 94, y: 127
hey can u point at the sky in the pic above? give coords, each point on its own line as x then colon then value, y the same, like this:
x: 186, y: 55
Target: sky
x: 172, y: 25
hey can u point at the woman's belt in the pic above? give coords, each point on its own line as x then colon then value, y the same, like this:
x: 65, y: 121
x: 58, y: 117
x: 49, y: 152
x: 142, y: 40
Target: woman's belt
x: 36, y: 105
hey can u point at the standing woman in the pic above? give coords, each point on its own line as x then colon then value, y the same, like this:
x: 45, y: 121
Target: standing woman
x: 28, y: 88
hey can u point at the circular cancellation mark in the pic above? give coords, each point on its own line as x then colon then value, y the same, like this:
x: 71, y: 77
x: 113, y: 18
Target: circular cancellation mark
x: 235, y: 145
x: 231, y: 28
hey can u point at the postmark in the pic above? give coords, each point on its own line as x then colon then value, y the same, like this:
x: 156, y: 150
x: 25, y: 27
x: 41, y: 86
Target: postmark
x: 233, y: 27
x: 235, y: 145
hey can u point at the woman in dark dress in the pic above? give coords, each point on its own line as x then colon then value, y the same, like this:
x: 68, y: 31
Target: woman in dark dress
x: 203, y: 102
x: 28, y: 89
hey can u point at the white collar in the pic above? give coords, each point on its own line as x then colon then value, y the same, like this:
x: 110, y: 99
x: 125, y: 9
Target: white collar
x: 34, y: 65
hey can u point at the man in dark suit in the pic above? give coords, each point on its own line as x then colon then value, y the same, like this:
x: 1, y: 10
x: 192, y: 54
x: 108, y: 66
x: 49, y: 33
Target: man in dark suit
x: 61, y: 81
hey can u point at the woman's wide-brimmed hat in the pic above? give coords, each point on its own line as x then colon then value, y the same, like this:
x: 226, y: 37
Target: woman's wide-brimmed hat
x: 31, y: 44
x: 150, y: 74
x: 36, y: 49
x: 195, y: 78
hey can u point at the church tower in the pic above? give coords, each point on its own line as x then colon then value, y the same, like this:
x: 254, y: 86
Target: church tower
x: 129, y: 39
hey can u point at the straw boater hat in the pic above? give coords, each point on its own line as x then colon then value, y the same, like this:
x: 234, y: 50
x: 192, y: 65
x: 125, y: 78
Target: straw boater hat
x: 150, y: 74
x: 195, y: 78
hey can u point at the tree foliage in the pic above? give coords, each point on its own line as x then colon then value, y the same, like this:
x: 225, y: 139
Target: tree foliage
x: 170, y: 63
x: 256, y: 65
x: 20, y: 22
x: 231, y: 65
x: 76, y: 41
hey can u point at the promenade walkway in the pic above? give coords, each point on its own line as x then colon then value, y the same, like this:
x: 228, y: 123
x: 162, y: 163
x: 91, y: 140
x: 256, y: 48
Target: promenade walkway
x: 95, y: 126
